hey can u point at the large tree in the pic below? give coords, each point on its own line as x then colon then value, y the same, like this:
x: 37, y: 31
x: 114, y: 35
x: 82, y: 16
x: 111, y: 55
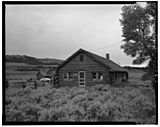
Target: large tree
x: 139, y: 32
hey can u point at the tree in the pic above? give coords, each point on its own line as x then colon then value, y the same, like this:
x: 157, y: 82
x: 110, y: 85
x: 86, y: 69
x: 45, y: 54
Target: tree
x: 139, y: 32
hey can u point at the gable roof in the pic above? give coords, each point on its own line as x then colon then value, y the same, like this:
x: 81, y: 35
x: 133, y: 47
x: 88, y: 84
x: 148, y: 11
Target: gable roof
x: 105, y: 62
x: 44, y: 72
x: 47, y: 72
x: 51, y: 73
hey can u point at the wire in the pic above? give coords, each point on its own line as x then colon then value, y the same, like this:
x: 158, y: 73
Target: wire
x: 107, y: 46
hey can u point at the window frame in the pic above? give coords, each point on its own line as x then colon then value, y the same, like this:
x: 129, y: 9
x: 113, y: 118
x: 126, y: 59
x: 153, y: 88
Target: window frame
x: 82, y: 78
x: 97, y: 76
x: 81, y: 57
x: 69, y: 74
x: 66, y: 75
x: 94, y: 75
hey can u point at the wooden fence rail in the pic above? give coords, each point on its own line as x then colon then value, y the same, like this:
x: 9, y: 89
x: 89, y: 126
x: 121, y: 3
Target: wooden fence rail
x: 24, y: 83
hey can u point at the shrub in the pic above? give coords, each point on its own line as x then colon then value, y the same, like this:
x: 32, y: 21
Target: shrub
x: 118, y: 83
x: 31, y: 110
x: 106, y: 87
x: 93, y: 111
x: 77, y: 91
x: 15, y: 115
x: 22, y: 92
x: 59, y: 102
x: 98, y: 103
x: 43, y: 115
x: 8, y: 101
x: 35, y: 97
x: 57, y: 114
x: 79, y: 98
x: 99, y: 87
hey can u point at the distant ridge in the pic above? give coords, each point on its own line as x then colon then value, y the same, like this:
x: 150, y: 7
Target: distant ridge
x: 135, y: 68
x: 32, y: 60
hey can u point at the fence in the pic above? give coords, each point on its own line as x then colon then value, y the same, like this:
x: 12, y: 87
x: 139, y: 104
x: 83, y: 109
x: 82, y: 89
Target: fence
x: 25, y: 83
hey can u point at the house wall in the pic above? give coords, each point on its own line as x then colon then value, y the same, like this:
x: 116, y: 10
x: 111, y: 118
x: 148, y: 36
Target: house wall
x: 88, y: 65
x: 118, y: 77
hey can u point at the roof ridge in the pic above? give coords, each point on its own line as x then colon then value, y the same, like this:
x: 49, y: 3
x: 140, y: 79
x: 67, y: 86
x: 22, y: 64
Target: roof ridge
x: 104, y: 60
x: 102, y: 57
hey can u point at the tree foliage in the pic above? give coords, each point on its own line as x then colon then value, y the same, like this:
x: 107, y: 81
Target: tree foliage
x: 139, y: 32
x: 138, y: 26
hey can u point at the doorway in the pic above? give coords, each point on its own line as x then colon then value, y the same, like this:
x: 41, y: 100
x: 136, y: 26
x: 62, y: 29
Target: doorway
x: 81, y: 78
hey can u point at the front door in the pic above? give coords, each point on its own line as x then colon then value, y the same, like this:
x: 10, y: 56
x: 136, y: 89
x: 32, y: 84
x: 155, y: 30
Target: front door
x: 81, y: 78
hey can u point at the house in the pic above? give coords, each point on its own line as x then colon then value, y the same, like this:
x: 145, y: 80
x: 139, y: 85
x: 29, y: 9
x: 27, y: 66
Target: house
x: 45, y: 73
x: 84, y: 68
x: 41, y: 74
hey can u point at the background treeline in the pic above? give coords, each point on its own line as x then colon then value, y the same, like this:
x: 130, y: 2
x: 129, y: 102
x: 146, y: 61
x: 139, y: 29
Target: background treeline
x: 135, y: 68
x: 31, y: 60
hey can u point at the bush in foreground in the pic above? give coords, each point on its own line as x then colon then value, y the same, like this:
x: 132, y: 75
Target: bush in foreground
x: 99, y: 103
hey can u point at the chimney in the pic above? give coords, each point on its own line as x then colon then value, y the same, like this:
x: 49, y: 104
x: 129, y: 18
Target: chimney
x: 107, y: 56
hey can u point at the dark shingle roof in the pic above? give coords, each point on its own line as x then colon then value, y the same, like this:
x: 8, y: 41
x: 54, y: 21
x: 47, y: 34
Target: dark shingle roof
x: 100, y: 59
x: 107, y: 62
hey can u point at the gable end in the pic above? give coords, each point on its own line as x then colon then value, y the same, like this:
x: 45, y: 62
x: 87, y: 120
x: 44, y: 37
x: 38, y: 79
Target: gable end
x: 83, y: 52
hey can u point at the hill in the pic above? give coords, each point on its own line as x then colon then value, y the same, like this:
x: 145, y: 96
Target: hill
x: 31, y: 60
x: 50, y: 61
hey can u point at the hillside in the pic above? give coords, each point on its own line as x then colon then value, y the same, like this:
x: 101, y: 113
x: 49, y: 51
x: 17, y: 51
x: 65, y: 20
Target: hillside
x: 31, y: 60
x: 50, y: 61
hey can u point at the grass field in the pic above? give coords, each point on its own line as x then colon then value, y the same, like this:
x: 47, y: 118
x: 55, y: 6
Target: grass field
x: 20, y: 71
x: 132, y: 102
x: 12, y: 71
x: 98, y: 103
x: 20, y: 75
x: 136, y: 75
x: 135, y: 79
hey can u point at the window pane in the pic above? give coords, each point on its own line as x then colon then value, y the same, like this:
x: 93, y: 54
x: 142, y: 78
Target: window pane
x: 81, y: 80
x: 81, y: 57
x: 81, y: 74
x: 70, y: 75
x: 65, y: 76
x: 93, y: 75
x: 115, y: 75
x: 100, y: 76
x: 81, y: 83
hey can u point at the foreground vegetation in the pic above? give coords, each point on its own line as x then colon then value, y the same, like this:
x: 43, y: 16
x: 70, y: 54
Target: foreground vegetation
x: 99, y: 103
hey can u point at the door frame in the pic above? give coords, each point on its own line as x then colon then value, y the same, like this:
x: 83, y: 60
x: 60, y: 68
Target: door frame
x: 82, y: 78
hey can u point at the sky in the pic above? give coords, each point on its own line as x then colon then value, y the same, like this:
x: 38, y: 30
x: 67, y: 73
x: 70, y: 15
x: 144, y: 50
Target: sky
x: 57, y: 31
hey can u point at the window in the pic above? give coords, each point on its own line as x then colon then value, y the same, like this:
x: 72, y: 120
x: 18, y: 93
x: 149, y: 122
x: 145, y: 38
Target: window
x: 118, y: 75
x: 94, y: 77
x: 68, y: 76
x: 65, y: 76
x: 81, y: 74
x: 97, y: 76
x: 115, y: 75
x: 100, y: 76
x: 81, y: 57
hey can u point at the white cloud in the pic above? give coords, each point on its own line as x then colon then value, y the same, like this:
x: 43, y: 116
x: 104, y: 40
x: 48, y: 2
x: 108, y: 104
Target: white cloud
x: 57, y: 31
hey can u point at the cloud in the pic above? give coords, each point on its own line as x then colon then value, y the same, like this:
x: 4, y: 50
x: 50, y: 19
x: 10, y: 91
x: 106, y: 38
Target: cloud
x: 57, y: 31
